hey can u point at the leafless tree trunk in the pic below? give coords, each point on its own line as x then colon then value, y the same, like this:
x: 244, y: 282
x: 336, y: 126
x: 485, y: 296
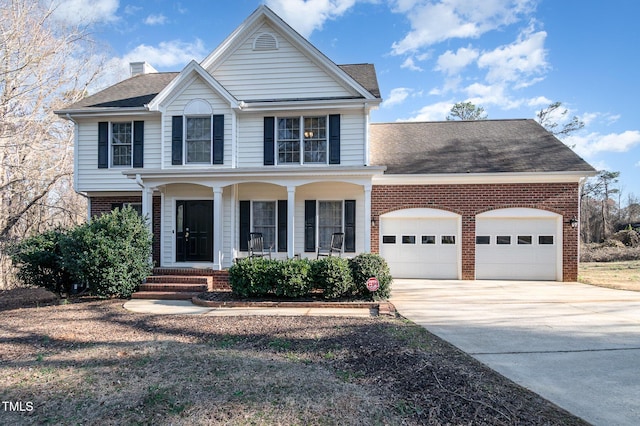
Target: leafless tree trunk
x: 44, y: 64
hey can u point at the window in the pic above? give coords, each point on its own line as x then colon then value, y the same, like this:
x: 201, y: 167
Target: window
x: 198, y: 140
x: 388, y: 239
x: 545, y: 239
x: 483, y: 239
x: 408, y: 239
x: 302, y: 134
x: 428, y: 239
x: 329, y: 221
x: 448, y: 239
x: 121, y: 139
x: 525, y: 239
x: 264, y: 221
x: 503, y: 239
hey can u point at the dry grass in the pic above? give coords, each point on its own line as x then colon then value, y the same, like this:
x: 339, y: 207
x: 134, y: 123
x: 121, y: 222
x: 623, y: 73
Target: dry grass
x: 92, y: 362
x: 617, y: 275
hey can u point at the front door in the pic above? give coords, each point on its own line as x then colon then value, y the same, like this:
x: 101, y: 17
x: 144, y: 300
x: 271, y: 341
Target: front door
x: 194, y: 231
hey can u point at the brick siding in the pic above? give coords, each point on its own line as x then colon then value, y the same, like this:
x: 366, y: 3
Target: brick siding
x: 470, y: 200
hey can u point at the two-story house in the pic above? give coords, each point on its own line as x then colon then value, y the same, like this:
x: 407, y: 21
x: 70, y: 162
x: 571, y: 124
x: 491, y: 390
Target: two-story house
x: 269, y: 135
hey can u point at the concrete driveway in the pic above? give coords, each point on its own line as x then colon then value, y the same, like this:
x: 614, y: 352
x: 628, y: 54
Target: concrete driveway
x: 574, y: 344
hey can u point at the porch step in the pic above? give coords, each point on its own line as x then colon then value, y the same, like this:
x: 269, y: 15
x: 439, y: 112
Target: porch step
x: 174, y: 287
x: 164, y: 295
x: 179, y: 279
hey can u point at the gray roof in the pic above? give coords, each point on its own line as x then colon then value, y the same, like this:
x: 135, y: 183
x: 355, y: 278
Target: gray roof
x: 484, y: 146
x: 130, y: 93
x: 136, y: 92
x: 365, y: 75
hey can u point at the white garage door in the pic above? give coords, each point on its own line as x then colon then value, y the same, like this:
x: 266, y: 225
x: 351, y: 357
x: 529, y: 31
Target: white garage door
x: 421, y: 243
x: 518, y: 243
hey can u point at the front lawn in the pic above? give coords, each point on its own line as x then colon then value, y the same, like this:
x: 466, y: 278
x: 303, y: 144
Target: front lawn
x: 92, y: 362
x: 618, y: 275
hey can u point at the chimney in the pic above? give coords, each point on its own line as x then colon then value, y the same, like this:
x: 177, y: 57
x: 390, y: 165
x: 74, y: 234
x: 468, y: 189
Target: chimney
x: 137, y: 68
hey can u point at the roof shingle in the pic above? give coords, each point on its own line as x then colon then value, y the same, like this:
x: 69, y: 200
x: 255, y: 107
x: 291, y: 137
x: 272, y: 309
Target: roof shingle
x: 483, y: 146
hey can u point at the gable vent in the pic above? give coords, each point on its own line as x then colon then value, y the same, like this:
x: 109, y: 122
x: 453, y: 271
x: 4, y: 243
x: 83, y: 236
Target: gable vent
x: 265, y: 41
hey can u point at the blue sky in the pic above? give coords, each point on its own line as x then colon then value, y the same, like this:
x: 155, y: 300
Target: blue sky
x: 512, y: 57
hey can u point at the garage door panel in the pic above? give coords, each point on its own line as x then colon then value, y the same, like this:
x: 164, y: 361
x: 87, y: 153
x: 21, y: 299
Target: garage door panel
x: 529, y: 260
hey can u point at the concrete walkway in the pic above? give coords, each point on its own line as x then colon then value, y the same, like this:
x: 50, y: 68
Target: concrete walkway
x: 185, y: 307
x: 574, y: 344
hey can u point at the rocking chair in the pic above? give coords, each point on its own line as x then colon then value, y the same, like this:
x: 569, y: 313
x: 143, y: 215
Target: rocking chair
x: 337, y: 239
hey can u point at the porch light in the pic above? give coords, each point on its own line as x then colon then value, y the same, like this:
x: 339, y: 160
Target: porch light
x: 573, y: 222
x: 373, y: 222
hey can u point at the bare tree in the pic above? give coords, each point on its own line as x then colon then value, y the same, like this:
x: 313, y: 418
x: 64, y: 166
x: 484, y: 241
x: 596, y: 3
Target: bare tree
x: 44, y: 64
x: 466, y: 111
x: 553, y: 118
x: 597, y: 202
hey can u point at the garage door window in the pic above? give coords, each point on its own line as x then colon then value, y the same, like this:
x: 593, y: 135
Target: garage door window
x: 503, y: 239
x: 483, y: 239
x: 428, y: 239
x: 388, y: 239
x: 545, y: 239
x: 448, y: 239
x: 408, y: 239
x: 525, y: 239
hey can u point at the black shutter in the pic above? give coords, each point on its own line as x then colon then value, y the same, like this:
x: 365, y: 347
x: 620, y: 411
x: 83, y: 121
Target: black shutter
x: 116, y: 206
x: 334, y: 139
x: 218, y: 139
x: 176, y: 140
x: 310, y: 225
x: 103, y: 145
x: 138, y: 144
x: 245, y: 224
x: 349, y: 226
x: 282, y: 225
x: 269, y: 140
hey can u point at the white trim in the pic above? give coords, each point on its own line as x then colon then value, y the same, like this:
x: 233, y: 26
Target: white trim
x: 479, y: 178
x: 420, y: 213
x: 305, y: 104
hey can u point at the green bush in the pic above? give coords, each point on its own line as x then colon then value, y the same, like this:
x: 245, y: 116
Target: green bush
x: 294, y: 278
x: 39, y: 262
x: 365, y: 266
x: 253, y: 277
x: 111, y: 254
x: 333, y: 276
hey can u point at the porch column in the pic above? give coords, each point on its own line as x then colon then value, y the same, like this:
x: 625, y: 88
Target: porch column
x: 147, y: 206
x: 367, y: 218
x: 217, y: 227
x: 291, y: 207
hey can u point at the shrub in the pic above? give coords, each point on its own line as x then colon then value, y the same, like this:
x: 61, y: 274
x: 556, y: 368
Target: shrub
x: 365, y: 266
x: 39, y: 262
x: 294, y: 278
x: 111, y: 254
x: 253, y: 277
x: 333, y: 276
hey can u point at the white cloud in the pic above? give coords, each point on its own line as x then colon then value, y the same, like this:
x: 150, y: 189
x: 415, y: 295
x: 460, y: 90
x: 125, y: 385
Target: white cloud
x: 306, y: 16
x: 521, y: 62
x: 159, y: 19
x: 168, y: 54
x: 82, y: 12
x: 452, y: 63
x: 410, y: 65
x: 396, y: 97
x: 540, y: 101
x: 433, y: 112
x: 593, y: 143
x: 433, y: 22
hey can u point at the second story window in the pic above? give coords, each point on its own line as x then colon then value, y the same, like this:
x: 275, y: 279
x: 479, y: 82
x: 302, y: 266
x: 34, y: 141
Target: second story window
x: 306, y: 135
x: 121, y: 140
x: 198, y: 140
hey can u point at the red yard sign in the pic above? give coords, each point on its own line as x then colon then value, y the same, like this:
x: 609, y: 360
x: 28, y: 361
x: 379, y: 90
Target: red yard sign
x: 373, y: 284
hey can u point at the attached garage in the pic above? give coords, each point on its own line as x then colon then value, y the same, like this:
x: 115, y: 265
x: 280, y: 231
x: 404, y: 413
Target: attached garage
x: 421, y: 243
x: 519, y: 244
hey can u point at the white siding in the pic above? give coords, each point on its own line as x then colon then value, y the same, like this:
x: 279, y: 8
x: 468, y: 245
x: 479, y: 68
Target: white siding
x: 198, y: 89
x: 251, y: 134
x: 285, y: 73
x: 90, y: 177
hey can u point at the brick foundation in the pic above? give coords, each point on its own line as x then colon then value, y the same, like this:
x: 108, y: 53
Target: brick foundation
x: 470, y: 200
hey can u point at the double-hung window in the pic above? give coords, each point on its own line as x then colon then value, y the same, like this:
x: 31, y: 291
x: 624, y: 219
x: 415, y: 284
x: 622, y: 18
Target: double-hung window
x: 121, y: 144
x: 198, y: 139
x: 264, y: 221
x: 302, y: 140
x: 329, y: 221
